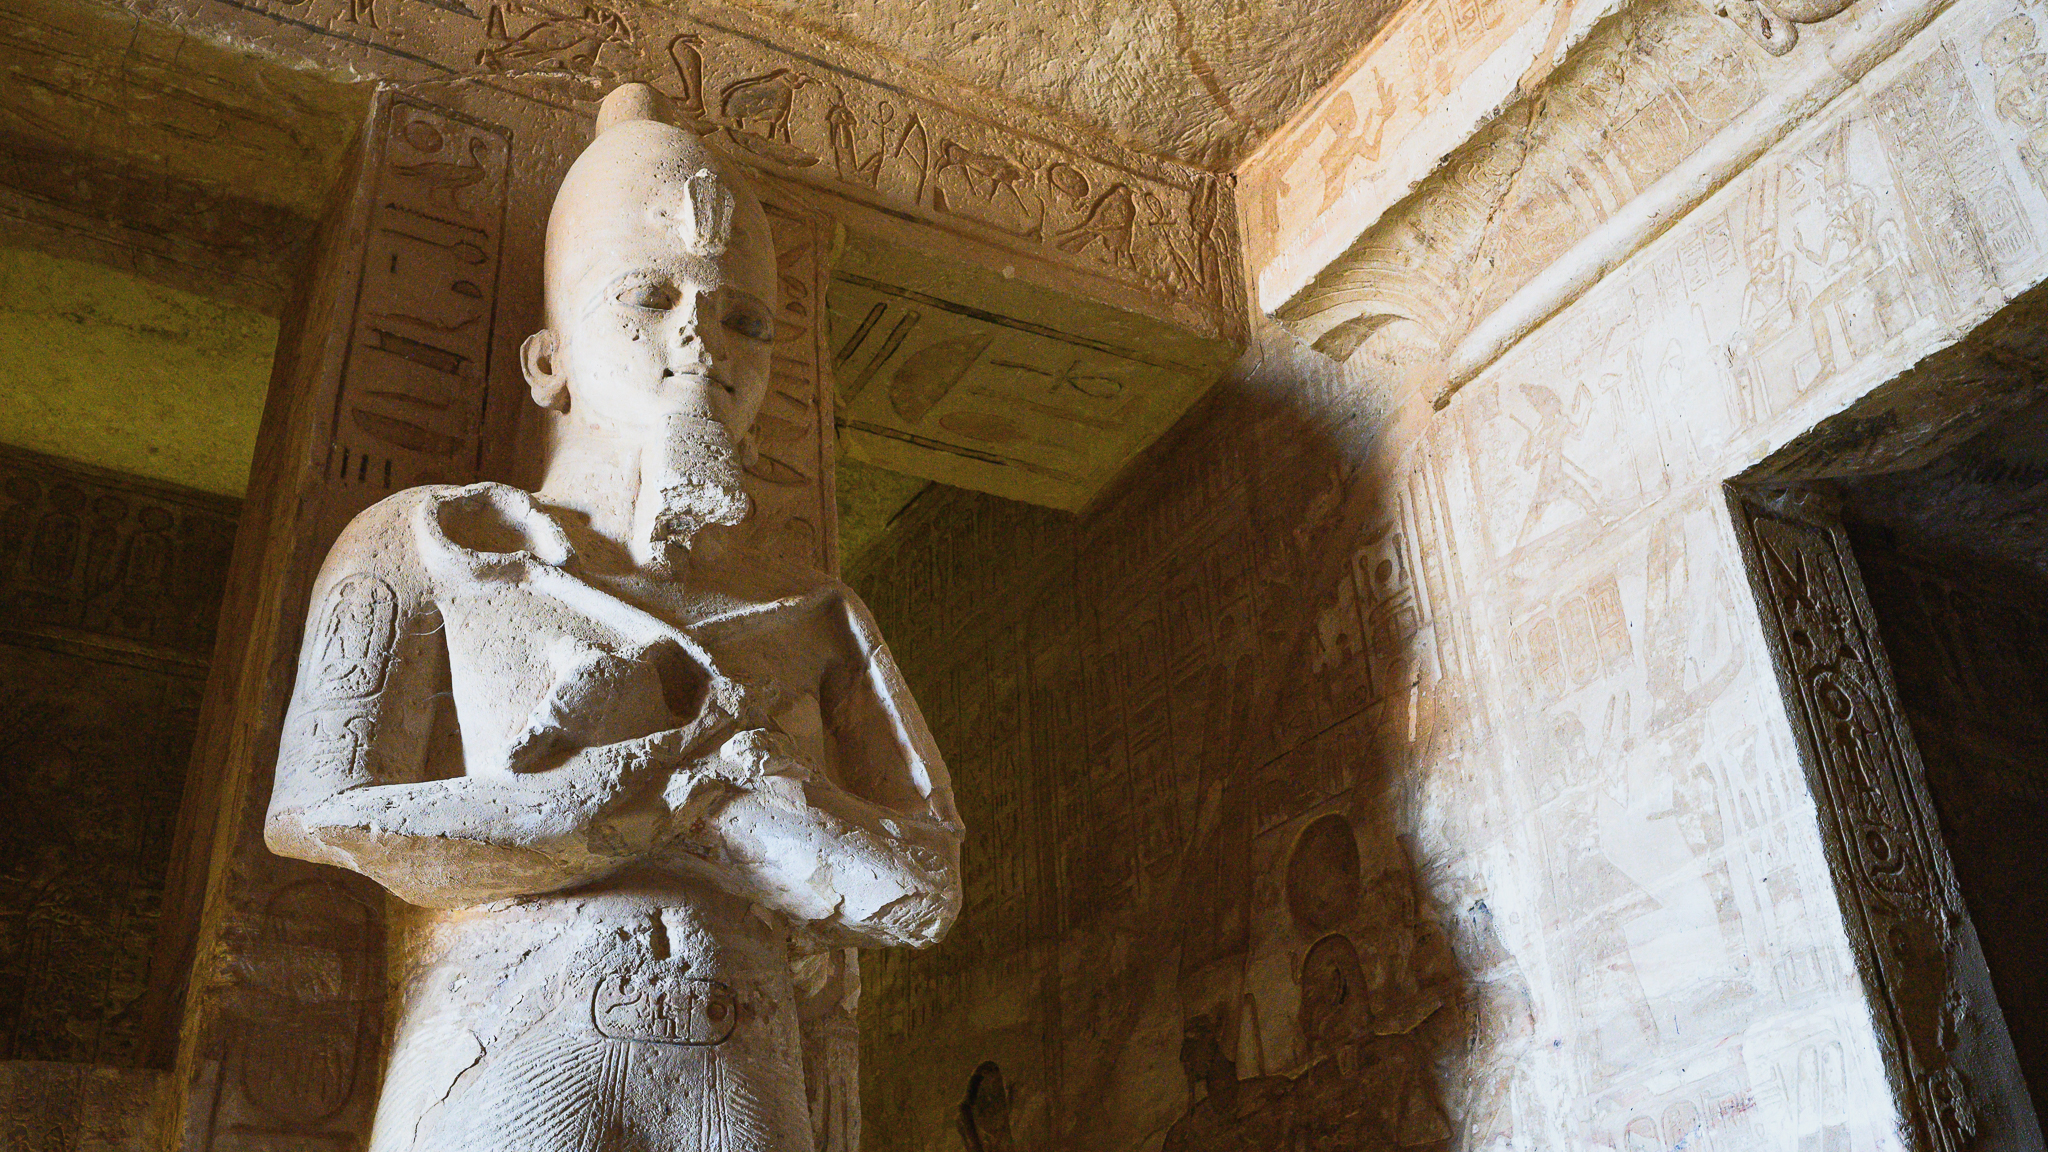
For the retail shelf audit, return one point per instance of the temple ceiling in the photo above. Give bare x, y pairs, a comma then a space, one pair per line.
1201, 81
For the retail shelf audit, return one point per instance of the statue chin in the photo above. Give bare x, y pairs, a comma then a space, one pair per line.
691, 479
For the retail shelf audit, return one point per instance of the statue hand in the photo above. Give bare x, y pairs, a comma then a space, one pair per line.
755, 760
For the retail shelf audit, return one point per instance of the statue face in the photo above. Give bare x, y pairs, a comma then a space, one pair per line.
662, 318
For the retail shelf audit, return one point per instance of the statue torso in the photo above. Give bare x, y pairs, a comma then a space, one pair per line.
652, 1009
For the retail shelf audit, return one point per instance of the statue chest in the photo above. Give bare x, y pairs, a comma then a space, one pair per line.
558, 661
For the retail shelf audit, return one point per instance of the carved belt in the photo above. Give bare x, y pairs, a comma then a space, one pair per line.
664, 1009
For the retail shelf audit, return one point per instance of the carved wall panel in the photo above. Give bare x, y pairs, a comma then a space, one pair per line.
108, 591
1184, 856
74, 1107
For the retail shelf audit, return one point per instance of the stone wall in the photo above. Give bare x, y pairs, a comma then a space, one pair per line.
108, 591
1512, 648
1138, 766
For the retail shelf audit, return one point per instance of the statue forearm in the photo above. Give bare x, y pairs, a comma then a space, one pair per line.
754, 813
466, 840
450, 843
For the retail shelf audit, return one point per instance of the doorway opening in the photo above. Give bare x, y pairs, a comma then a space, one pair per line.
1900, 562
1954, 559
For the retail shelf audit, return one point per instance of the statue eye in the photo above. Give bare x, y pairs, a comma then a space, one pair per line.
658, 296
750, 324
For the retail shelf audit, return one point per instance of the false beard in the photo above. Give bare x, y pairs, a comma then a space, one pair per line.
690, 479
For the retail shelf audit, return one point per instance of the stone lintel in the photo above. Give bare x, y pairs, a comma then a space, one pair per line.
959, 373
1656, 108
1439, 71
1007, 186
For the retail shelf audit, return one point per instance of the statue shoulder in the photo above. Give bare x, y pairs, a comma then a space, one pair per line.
387, 538
773, 578
801, 581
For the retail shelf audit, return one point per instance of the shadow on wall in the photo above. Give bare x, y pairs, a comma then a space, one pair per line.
1184, 729
1367, 1085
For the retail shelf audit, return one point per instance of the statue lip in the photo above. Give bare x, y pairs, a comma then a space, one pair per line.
702, 372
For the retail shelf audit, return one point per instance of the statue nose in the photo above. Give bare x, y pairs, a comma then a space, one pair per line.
685, 335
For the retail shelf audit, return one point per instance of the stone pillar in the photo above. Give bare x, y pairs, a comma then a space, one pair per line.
398, 366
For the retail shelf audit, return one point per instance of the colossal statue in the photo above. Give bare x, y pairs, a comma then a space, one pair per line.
633, 770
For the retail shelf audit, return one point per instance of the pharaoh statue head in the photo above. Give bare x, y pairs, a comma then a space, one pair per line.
660, 284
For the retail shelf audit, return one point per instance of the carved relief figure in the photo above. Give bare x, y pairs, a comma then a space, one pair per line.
629, 767
553, 43
2013, 49
761, 104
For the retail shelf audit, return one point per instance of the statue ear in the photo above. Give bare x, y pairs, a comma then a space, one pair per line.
537, 356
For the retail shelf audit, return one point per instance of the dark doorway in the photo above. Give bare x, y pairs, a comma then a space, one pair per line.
1898, 555
1954, 558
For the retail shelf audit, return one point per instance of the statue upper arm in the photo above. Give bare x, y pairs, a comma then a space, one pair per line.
371, 677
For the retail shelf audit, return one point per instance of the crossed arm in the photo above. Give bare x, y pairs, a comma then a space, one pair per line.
733, 801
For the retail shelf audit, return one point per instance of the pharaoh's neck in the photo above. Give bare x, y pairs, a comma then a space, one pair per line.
651, 490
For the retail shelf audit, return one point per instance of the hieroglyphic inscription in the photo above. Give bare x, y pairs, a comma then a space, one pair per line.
355, 639
663, 1009
357, 630
1134, 229
310, 1012
880, 145
410, 407
1879, 827
790, 479
1935, 138
1574, 640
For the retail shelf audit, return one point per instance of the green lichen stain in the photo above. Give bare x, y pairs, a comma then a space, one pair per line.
104, 368
869, 499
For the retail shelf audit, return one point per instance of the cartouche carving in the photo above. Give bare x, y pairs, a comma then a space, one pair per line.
630, 762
